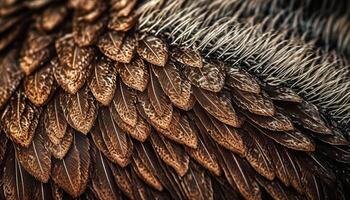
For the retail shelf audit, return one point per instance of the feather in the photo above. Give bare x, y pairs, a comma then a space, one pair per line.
257, 153
41, 191
124, 104
85, 33
151, 161
117, 46
20, 120
52, 17
274, 188
218, 106
180, 131
313, 190
134, 74
80, 109
10, 35
204, 153
121, 23
221, 133
278, 122
188, 56
240, 79
147, 111
96, 11
338, 153
17, 183
145, 173
54, 121
122, 177
319, 167
210, 77
71, 173
102, 81
197, 184
140, 132
3, 145
60, 149
36, 159
11, 75
153, 50
74, 64
291, 139
117, 142
172, 154
283, 94
159, 101
292, 169
237, 173
124, 8
336, 139
36, 50
307, 115
40, 86
258, 104
174, 86
102, 178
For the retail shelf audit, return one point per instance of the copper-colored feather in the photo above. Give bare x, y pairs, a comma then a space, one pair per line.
102, 81
71, 173
20, 120
74, 64
60, 149
36, 158
37, 49
80, 109
153, 50
210, 77
40, 86
172, 154
117, 142
134, 74
241, 80
174, 86
187, 56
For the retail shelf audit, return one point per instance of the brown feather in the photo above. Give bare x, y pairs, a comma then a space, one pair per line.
122, 23
278, 122
197, 183
238, 173
11, 75
124, 104
54, 121
239, 79
117, 46
217, 105
221, 133
20, 120
134, 74
153, 50
117, 142
122, 177
307, 115
172, 154
36, 159
258, 104
102, 178
40, 86
3, 144
187, 56
147, 111
210, 77
71, 173
283, 94
180, 131
204, 154
60, 149
274, 188
145, 173
102, 81
17, 183
36, 50
74, 66
159, 100
52, 17
85, 33
174, 86
80, 109
140, 132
